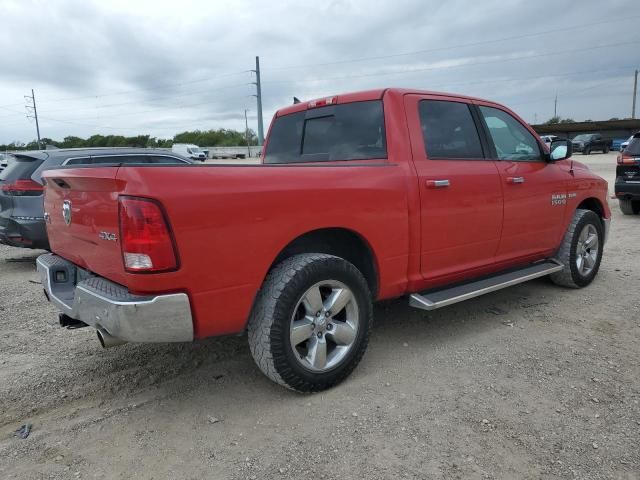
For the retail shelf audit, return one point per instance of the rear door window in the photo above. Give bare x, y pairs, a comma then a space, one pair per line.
165, 159
118, 159
449, 130
20, 169
351, 131
78, 161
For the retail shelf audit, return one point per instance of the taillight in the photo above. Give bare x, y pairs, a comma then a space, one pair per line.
145, 237
626, 159
23, 188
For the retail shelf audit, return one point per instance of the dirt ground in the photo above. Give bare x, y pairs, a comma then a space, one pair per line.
533, 382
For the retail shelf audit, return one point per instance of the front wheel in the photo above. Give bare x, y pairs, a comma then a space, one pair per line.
581, 251
310, 324
606, 149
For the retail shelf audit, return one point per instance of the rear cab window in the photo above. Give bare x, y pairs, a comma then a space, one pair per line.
350, 131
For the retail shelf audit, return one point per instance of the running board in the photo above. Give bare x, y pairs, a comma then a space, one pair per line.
448, 296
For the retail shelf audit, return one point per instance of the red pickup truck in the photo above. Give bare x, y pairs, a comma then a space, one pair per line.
358, 197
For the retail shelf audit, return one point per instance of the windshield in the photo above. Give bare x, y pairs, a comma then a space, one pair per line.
194, 149
582, 138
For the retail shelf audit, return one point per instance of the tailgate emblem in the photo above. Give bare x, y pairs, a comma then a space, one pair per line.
108, 236
66, 211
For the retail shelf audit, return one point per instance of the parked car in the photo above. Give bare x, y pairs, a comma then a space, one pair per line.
588, 142
547, 139
627, 186
21, 186
190, 151
4, 160
625, 144
360, 197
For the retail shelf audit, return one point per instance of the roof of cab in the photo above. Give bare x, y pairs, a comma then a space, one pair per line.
365, 95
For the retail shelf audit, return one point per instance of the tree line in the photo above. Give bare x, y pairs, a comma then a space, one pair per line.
221, 137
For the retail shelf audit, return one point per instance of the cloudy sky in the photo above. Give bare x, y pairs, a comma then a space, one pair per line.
160, 67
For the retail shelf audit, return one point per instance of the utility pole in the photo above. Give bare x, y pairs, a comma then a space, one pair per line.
32, 100
635, 91
246, 133
258, 96
555, 106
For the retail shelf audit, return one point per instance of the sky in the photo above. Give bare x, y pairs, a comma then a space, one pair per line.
130, 67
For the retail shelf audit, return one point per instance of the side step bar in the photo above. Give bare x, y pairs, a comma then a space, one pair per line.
441, 298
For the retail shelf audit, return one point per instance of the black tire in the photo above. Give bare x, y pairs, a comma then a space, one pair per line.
586, 151
570, 276
273, 311
606, 149
629, 207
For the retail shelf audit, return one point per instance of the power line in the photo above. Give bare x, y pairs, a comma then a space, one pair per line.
138, 90
448, 67
452, 47
338, 62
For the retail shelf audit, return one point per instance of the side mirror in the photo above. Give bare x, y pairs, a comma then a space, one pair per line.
560, 150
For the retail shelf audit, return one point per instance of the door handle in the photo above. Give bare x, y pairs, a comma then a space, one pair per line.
515, 179
437, 183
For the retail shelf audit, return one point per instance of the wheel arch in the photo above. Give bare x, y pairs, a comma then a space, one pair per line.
341, 242
593, 204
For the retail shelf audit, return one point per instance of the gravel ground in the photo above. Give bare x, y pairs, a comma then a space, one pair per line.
534, 382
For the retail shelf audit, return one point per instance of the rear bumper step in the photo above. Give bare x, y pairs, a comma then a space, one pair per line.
110, 307
441, 298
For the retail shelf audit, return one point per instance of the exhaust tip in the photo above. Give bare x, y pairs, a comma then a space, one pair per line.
107, 340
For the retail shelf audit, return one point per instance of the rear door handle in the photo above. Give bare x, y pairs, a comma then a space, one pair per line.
437, 183
515, 179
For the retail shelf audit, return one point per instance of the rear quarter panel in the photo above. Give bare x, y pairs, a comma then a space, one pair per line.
231, 222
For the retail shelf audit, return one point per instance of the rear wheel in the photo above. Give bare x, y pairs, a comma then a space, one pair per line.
581, 251
310, 324
586, 151
606, 149
629, 207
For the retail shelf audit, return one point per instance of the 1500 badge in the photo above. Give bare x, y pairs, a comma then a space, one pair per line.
561, 198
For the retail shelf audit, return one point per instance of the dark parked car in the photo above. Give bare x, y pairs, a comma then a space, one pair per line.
21, 186
627, 185
588, 142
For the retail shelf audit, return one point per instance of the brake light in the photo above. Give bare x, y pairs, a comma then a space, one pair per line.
23, 188
626, 159
323, 102
145, 236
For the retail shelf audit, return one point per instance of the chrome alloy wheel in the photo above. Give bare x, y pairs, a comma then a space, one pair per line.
324, 325
587, 249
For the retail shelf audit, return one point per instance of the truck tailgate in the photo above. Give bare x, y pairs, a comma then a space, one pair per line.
81, 211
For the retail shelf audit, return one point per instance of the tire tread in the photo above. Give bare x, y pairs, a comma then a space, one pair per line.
263, 329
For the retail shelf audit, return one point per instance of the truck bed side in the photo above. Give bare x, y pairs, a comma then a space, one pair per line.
231, 222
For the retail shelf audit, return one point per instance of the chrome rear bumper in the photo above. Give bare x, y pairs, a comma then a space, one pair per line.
103, 304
